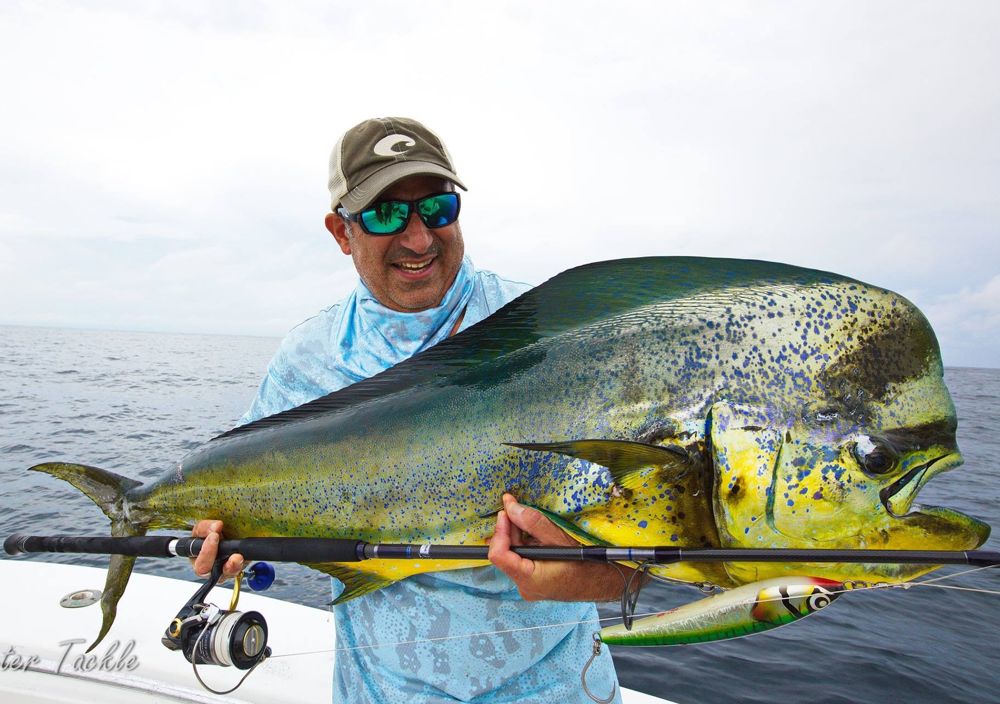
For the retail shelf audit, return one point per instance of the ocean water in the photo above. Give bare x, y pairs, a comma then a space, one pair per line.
134, 403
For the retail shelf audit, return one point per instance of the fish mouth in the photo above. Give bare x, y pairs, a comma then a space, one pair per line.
931, 527
899, 496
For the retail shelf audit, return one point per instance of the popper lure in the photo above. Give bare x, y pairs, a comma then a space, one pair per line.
738, 612
743, 611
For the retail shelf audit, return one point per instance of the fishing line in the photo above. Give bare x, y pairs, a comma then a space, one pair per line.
194, 667
961, 589
956, 574
372, 646
600, 619
933, 582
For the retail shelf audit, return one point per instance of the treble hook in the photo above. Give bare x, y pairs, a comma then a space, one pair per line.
630, 595
583, 675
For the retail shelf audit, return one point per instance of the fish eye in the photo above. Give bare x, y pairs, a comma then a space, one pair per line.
875, 455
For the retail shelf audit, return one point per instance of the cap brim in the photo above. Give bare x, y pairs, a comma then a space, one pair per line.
365, 193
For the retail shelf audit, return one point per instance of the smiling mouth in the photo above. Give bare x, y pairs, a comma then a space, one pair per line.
899, 496
414, 267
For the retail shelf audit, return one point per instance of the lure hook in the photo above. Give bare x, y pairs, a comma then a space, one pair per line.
583, 675
630, 594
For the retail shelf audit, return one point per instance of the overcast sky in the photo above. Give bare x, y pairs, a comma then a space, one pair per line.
163, 164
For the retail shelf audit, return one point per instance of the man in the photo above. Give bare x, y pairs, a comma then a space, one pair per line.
462, 635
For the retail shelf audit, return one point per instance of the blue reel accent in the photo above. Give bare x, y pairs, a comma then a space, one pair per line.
259, 576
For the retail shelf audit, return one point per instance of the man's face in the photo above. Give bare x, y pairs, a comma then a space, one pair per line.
410, 271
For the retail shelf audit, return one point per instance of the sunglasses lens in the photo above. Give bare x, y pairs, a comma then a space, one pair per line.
439, 210
385, 218
389, 217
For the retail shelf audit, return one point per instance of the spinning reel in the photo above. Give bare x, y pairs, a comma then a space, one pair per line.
209, 635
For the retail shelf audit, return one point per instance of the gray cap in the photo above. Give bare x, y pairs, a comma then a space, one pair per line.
372, 156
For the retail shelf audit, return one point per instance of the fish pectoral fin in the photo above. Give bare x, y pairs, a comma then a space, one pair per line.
492, 513
626, 459
569, 527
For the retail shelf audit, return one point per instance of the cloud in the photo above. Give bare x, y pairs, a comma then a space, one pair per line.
968, 324
163, 163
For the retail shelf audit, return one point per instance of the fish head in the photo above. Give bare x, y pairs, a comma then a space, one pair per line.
841, 465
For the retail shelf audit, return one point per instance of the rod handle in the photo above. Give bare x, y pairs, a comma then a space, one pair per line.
282, 549
14, 544
146, 546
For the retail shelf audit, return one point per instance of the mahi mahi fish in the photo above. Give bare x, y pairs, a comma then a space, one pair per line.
655, 401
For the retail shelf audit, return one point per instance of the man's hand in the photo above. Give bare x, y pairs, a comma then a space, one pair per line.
547, 579
211, 531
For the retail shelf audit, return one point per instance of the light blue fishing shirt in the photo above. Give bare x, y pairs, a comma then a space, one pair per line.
461, 635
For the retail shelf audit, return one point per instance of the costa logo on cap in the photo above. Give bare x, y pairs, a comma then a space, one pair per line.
377, 153
387, 145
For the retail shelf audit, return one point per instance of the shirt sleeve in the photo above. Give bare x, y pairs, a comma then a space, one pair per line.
272, 397
299, 372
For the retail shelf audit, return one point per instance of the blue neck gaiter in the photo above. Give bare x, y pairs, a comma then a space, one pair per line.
373, 338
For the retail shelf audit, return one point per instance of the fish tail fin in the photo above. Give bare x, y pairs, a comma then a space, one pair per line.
107, 490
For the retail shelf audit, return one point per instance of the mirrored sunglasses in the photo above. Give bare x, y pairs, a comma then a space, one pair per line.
390, 217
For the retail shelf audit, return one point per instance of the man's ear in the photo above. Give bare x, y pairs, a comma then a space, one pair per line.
338, 228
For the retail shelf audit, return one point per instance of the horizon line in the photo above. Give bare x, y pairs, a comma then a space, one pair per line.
238, 334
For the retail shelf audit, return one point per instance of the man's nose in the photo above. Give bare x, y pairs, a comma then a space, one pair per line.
416, 237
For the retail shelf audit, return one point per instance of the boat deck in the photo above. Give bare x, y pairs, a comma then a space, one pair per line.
42, 645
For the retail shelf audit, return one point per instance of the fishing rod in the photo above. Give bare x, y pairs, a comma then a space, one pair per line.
347, 550
207, 634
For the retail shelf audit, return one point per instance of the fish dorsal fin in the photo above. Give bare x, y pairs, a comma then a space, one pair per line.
575, 299
628, 461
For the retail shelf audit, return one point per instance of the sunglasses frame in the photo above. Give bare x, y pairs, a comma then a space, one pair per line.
412, 204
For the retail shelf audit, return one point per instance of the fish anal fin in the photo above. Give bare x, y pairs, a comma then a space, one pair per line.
356, 582
628, 461
360, 578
